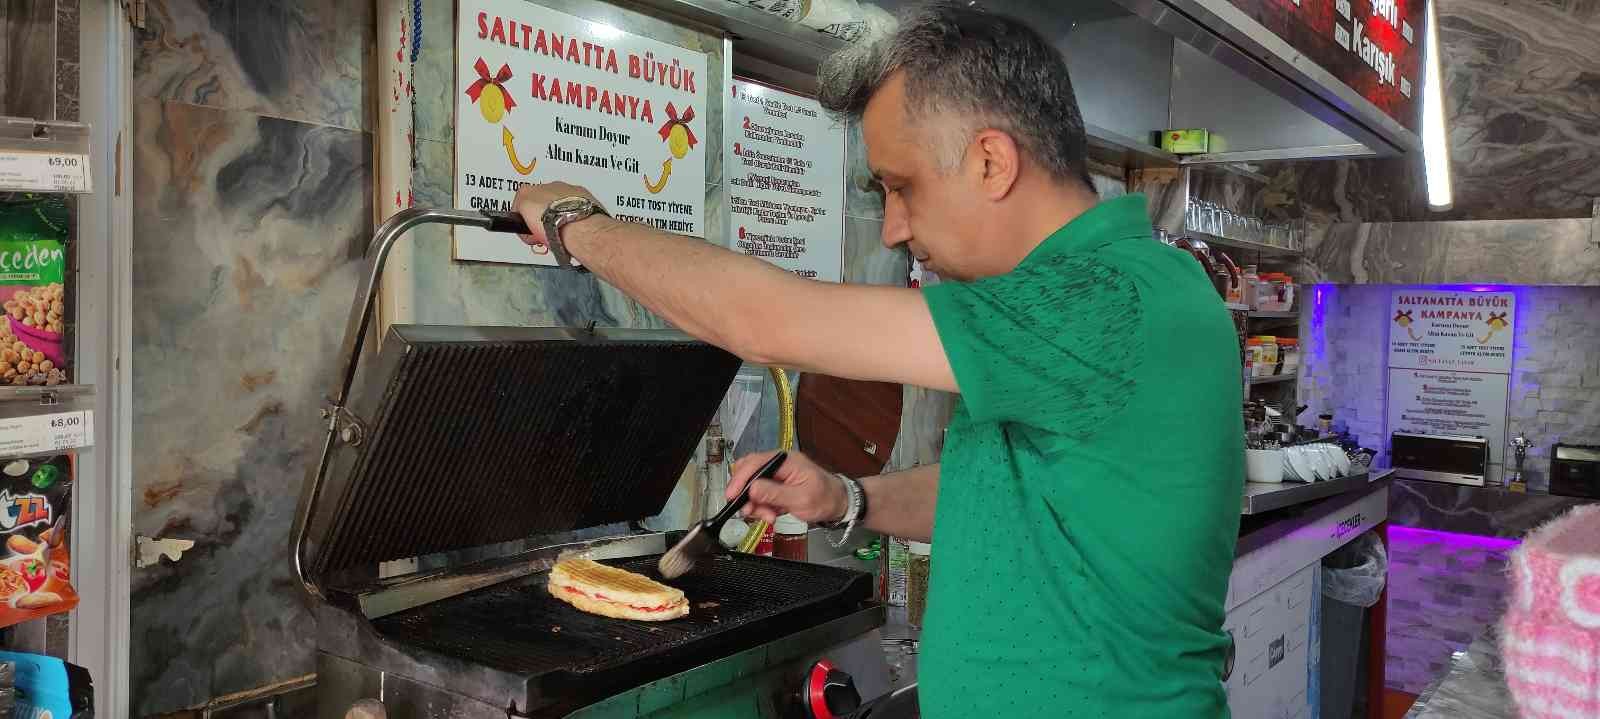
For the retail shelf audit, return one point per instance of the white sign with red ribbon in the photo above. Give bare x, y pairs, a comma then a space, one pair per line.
544, 96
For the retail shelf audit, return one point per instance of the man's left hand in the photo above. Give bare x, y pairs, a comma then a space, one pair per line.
532, 200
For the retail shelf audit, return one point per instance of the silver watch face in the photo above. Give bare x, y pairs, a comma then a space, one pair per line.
570, 204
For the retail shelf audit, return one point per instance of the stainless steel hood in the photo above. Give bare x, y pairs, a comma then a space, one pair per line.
1139, 67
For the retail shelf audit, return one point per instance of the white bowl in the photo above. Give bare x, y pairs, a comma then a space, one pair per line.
1264, 465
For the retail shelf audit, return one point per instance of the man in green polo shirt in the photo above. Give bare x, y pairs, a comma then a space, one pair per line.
1085, 509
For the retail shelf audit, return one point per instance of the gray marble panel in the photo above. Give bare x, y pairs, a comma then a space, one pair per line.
1520, 85
247, 235
867, 261
29, 52
1166, 191
1482, 511
1528, 252
67, 60
1524, 252
862, 198
304, 60
433, 78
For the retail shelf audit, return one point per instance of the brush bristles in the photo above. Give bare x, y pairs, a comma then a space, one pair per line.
681, 559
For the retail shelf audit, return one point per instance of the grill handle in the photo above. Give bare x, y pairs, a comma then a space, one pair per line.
355, 333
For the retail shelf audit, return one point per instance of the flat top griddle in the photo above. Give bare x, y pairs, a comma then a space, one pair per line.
518, 628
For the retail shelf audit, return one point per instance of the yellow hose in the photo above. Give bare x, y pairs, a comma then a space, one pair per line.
752, 536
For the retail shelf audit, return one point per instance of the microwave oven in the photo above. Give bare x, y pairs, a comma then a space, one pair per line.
1575, 471
1439, 457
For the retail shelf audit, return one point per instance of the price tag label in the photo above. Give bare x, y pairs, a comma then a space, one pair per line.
46, 432
44, 171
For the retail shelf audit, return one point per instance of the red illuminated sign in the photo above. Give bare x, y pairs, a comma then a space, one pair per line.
1373, 46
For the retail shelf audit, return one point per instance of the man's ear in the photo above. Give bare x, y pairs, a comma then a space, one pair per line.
1001, 162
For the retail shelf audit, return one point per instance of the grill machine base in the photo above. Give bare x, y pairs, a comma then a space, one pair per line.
759, 683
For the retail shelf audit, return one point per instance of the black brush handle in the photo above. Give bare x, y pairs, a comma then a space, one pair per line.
766, 472
506, 222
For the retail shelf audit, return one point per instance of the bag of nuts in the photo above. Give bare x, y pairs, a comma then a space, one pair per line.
36, 564
33, 233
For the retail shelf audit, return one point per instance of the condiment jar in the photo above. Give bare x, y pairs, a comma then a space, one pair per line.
919, 566
789, 538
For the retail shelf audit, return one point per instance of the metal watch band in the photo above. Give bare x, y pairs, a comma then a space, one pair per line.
554, 220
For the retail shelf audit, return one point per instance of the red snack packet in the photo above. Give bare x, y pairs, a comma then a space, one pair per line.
36, 562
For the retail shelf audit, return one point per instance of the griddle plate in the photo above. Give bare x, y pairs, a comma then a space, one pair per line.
519, 628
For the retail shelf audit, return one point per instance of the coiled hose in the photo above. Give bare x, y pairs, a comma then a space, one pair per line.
752, 536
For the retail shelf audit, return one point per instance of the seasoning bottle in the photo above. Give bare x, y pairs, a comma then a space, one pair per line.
789, 538
1252, 356
919, 565
1288, 355
764, 545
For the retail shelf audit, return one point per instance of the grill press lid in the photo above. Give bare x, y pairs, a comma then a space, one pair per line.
469, 436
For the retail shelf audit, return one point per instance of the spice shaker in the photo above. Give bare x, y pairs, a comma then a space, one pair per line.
918, 566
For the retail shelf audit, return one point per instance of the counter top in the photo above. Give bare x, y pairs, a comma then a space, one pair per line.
1260, 497
1483, 511
1474, 688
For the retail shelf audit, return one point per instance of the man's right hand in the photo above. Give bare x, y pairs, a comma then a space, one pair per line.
801, 488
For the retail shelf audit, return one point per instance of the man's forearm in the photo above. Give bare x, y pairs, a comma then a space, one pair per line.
901, 503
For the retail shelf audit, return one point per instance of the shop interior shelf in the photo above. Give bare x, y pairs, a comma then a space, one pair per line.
1272, 379
1260, 498
1247, 245
45, 394
1258, 315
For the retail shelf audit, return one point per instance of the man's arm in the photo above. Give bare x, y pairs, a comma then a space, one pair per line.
900, 503
751, 308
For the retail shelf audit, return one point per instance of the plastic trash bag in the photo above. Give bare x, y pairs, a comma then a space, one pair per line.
1355, 573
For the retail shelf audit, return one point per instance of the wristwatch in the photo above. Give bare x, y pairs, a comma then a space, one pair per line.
561, 213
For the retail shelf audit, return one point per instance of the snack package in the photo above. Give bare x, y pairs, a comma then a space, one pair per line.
33, 261
48, 688
36, 564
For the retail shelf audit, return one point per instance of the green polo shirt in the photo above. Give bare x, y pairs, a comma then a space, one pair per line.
1089, 489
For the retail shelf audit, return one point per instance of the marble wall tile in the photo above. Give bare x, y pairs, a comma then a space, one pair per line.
66, 70
303, 60
867, 261
1548, 252
1521, 93
433, 74
1526, 252
29, 83
247, 235
1166, 192
1480, 511
862, 198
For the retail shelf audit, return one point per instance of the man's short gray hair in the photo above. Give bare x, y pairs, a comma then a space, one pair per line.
986, 69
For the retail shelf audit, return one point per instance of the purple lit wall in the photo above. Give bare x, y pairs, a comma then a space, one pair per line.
1444, 589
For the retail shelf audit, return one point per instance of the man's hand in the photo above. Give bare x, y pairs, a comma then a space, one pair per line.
803, 489
532, 200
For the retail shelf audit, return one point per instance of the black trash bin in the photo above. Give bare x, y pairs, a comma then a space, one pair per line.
1353, 578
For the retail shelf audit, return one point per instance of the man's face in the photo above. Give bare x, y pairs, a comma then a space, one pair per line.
937, 215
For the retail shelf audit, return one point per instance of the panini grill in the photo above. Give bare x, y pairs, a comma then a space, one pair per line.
469, 441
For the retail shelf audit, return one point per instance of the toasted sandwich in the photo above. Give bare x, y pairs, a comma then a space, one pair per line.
610, 592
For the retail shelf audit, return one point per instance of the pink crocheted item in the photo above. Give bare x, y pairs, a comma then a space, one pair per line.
1551, 633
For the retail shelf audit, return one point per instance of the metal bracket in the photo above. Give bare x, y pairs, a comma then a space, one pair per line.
148, 551
345, 425
1594, 223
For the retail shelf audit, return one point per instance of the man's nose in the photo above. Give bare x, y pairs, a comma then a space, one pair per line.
896, 230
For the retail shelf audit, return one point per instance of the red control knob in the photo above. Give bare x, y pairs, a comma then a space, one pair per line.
830, 693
